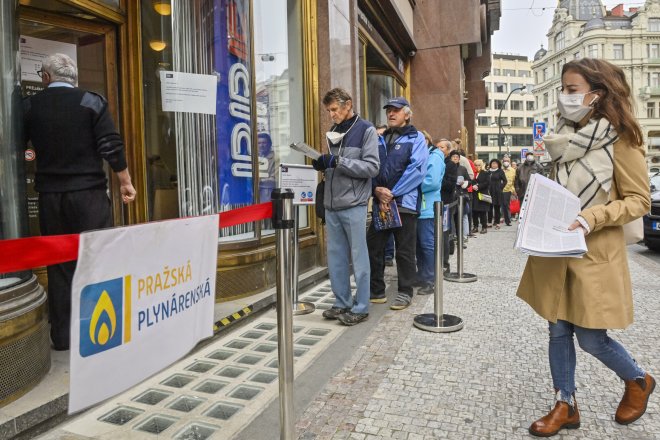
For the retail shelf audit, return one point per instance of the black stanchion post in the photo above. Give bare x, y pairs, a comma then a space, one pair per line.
283, 223
299, 307
460, 276
438, 322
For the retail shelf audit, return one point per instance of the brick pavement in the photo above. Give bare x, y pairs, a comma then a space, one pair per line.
491, 379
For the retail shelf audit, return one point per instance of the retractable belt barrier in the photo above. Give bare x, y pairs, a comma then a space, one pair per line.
27, 253
460, 276
438, 321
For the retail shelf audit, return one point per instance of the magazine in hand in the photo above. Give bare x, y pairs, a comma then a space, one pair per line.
305, 149
383, 220
545, 215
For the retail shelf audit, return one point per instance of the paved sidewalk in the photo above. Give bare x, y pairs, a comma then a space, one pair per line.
491, 379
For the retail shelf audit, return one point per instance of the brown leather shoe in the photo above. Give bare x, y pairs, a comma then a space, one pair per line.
563, 416
633, 403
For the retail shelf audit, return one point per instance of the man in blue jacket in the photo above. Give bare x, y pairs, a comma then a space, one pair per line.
435, 171
403, 156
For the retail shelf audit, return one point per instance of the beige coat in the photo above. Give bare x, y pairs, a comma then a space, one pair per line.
595, 291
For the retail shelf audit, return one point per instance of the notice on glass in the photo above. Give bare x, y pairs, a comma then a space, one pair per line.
35, 50
302, 180
188, 92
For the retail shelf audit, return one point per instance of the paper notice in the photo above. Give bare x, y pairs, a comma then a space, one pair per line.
188, 92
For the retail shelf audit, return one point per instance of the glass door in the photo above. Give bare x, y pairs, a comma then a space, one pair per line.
92, 45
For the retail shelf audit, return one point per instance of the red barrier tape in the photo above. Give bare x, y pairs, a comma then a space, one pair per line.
25, 253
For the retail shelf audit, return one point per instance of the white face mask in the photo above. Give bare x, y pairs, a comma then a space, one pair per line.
571, 108
530, 158
334, 137
505, 164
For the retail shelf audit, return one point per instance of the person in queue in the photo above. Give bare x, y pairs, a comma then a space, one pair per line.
349, 164
496, 187
508, 190
480, 188
597, 153
435, 170
448, 195
72, 132
403, 156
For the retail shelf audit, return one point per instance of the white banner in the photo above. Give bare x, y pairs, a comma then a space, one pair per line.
142, 297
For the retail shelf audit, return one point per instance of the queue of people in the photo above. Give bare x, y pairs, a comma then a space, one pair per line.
403, 169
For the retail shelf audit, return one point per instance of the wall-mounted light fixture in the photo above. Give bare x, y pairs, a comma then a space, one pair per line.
157, 45
163, 7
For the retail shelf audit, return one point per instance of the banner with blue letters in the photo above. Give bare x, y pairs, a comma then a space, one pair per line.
142, 297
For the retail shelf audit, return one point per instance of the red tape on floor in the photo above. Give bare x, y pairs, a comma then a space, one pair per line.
26, 253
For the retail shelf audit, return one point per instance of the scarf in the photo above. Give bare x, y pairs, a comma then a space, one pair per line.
583, 159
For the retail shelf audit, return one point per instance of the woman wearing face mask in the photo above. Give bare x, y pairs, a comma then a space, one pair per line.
497, 182
508, 190
480, 185
597, 154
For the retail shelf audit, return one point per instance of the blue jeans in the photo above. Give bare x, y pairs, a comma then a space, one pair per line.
347, 241
593, 341
426, 250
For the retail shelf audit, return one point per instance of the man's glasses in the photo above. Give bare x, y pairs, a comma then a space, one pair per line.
40, 72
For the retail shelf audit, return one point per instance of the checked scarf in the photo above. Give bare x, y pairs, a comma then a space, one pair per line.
583, 159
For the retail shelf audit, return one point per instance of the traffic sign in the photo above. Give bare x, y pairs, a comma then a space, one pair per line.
538, 130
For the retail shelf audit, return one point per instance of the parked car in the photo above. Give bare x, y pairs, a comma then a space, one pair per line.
652, 219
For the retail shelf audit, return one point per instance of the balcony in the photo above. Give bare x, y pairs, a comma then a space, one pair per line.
647, 92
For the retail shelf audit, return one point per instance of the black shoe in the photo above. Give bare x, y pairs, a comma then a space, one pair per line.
334, 312
389, 262
349, 318
428, 289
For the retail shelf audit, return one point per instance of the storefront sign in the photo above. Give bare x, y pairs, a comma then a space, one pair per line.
188, 92
142, 297
234, 109
302, 180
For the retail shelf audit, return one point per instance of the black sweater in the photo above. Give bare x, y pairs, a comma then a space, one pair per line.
71, 131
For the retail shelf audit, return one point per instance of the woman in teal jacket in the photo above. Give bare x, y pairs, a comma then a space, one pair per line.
435, 171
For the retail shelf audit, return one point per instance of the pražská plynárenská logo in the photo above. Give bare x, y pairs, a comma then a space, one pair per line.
102, 323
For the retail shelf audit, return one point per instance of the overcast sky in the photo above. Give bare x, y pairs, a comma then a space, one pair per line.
523, 30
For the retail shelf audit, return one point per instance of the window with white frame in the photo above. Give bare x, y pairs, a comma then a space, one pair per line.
516, 105
653, 79
530, 105
593, 50
500, 87
617, 51
545, 99
559, 41
653, 50
517, 122
509, 72
530, 122
654, 25
650, 110
483, 121
500, 104
545, 74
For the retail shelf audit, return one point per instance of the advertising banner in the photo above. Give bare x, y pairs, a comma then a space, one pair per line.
234, 109
142, 297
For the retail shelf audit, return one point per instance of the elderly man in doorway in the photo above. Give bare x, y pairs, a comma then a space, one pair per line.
72, 132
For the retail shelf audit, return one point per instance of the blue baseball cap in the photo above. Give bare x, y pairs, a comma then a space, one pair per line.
398, 102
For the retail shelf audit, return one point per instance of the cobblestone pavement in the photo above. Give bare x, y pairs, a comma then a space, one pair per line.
489, 380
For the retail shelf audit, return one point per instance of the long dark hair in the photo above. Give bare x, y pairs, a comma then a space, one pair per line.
615, 103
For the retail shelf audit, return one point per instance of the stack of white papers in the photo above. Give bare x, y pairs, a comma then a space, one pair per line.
545, 215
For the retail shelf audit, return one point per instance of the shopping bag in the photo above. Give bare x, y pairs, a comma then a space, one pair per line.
514, 205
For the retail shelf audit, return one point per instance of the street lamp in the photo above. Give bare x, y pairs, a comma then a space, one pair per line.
499, 118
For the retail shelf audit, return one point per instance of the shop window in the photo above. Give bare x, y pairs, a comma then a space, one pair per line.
200, 164
380, 88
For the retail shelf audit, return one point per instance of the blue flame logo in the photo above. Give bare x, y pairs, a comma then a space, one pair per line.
101, 311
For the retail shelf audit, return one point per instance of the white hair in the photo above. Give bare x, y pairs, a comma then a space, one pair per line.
61, 67
408, 112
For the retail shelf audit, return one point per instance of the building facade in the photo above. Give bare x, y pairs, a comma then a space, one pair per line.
495, 137
628, 38
274, 60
